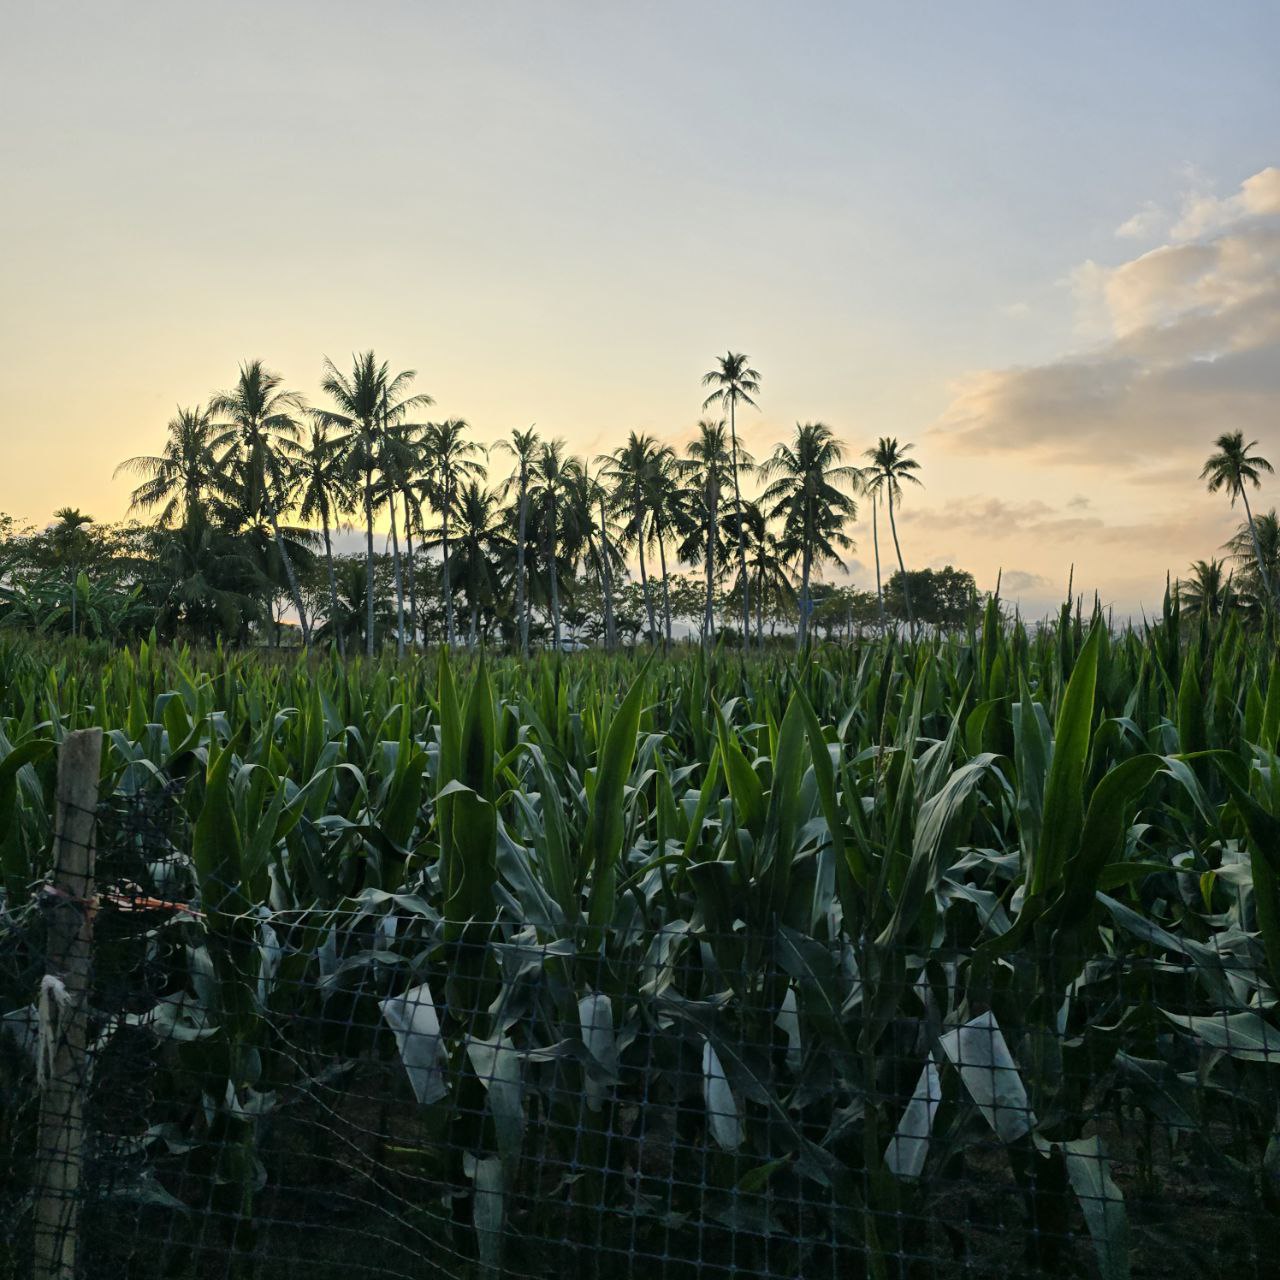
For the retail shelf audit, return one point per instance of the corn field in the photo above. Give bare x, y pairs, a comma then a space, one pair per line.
948, 958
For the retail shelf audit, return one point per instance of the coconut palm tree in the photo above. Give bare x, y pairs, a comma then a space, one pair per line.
405, 454
479, 544
735, 383
890, 468
668, 516
367, 399
70, 546
1251, 544
523, 447
767, 563
553, 474
179, 477
706, 465
325, 493
1207, 589
263, 426
1232, 467
586, 528
628, 472
452, 459
806, 493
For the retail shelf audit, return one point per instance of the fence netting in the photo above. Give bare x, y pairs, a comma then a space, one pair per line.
377, 1091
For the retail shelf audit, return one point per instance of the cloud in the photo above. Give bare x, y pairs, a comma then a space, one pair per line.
1192, 341
1019, 580
995, 518
1145, 223
1202, 212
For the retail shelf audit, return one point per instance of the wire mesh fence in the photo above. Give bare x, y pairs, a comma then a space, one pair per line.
380, 1091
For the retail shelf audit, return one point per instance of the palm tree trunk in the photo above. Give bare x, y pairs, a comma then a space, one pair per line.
555, 585
666, 590
1257, 550
475, 621
368, 561
875, 538
644, 586
521, 586
708, 627
760, 615
802, 632
294, 593
413, 590
445, 579
395, 565
335, 625
902, 569
606, 582
742, 542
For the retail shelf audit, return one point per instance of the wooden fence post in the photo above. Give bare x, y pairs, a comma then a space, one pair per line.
64, 1010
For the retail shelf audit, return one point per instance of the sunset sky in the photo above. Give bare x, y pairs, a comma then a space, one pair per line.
1041, 242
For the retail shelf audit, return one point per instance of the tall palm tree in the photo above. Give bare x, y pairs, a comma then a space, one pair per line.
668, 515
1231, 468
552, 477
586, 526
405, 453
1247, 546
264, 426
735, 383
628, 472
70, 545
363, 398
889, 468
767, 559
871, 491
1207, 589
179, 477
325, 493
806, 495
479, 545
451, 461
707, 463
523, 447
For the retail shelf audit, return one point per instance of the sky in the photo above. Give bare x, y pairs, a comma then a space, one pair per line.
1042, 243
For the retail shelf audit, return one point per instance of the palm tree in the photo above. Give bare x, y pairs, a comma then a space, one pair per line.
405, 456
890, 467
628, 471
1207, 591
806, 496
450, 462
707, 463
479, 544
767, 559
1247, 546
367, 400
70, 545
523, 447
263, 427
1230, 468
178, 478
735, 382
668, 514
324, 494
553, 474
587, 495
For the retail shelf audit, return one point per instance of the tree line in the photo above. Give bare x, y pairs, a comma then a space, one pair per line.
247, 491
